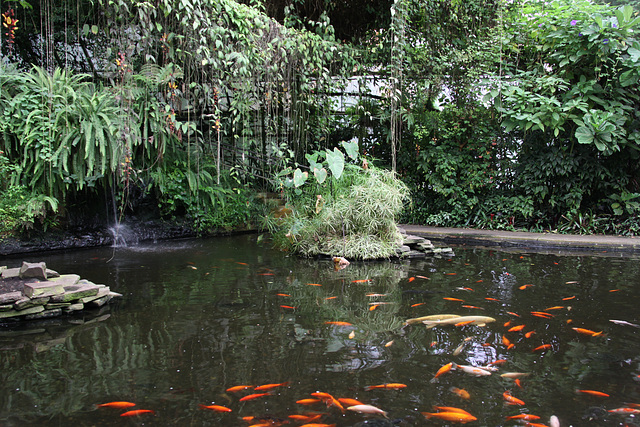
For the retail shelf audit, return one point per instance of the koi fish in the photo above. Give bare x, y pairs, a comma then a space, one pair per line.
318, 425
137, 412
625, 323
515, 375
541, 347
314, 284
525, 417
516, 328
513, 314
476, 320
510, 400
338, 323
328, 298
450, 409
624, 410
349, 402
557, 307
306, 418
587, 332
528, 334
241, 263
464, 288
266, 274
593, 393
270, 386
352, 335
308, 401
283, 295
523, 287
328, 399
453, 299
473, 306
568, 298
361, 281
432, 317
375, 295
517, 382
238, 388
288, 306
465, 323
411, 279
373, 307
417, 304
215, 408
423, 277
542, 314
492, 299
472, 370
458, 417
389, 386
498, 362
460, 392
450, 274
254, 396
528, 424
119, 405
554, 421
367, 409
443, 370
389, 344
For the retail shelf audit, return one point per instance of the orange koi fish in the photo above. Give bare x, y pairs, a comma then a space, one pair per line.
492, 299
283, 295
450, 409
450, 274
453, 299
238, 388
507, 324
557, 307
417, 304
624, 410
306, 418
119, 405
498, 362
308, 401
587, 332
568, 298
542, 314
373, 307
266, 274
517, 382
137, 412
506, 341
423, 277
457, 417
338, 323
215, 408
241, 263
523, 287
541, 347
328, 298
288, 306
517, 328
525, 417
510, 400
473, 306
460, 392
411, 279
314, 284
270, 386
513, 314
361, 281
348, 401
328, 399
254, 396
528, 334
464, 323
389, 386
318, 425
444, 369
593, 393
479, 281
376, 295
535, 425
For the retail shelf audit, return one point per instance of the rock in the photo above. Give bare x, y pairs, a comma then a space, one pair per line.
10, 297
15, 313
37, 270
74, 307
425, 246
76, 292
29, 302
6, 307
414, 254
44, 314
101, 293
51, 306
42, 289
10, 273
402, 249
52, 273
413, 240
67, 279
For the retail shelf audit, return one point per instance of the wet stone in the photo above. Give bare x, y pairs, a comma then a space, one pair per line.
51, 306
15, 313
10, 297
10, 273
402, 249
101, 293
413, 240
414, 254
6, 307
74, 307
67, 279
76, 292
33, 269
42, 289
29, 302
44, 314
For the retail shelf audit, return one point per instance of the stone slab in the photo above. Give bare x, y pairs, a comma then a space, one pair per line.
51, 306
16, 313
42, 289
74, 307
76, 292
52, 273
10, 297
101, 293
44, 314
33, 269
11, 273
30, 302
67, 279
412, 240
6, 307
414, 254
99, 302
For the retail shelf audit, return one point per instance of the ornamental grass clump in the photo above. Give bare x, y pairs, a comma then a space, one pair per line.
352, 216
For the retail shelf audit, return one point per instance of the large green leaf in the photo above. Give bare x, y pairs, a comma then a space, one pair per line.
351, 148
299, 177
584, 135
320, 174
335, 159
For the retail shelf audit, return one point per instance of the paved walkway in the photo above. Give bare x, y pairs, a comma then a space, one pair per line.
519, 239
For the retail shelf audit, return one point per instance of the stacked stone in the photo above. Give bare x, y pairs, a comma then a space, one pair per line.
419, 247
49, 294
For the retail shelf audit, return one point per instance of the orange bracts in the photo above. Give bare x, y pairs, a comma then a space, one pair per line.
254, 396
137, 412
389, 386
510, 400
118, 405
270, 386
215, 408
238, 388
541, 347
516, 328
587, 332
593, 393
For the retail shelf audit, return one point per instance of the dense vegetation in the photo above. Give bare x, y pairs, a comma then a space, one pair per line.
495, 114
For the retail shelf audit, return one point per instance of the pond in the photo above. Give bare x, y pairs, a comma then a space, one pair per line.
198, 317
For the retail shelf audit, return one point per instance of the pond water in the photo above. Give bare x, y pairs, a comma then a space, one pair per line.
200, 316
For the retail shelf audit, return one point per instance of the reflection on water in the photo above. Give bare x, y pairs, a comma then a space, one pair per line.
200, 316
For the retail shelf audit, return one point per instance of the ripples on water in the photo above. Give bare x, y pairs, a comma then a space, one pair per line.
200, 316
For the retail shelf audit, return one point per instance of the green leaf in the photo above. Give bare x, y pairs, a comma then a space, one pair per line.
320, 174
299, 177
94, 29
584, 135
351, 148
335, 159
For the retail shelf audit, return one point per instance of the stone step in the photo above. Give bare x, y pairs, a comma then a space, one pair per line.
42, 289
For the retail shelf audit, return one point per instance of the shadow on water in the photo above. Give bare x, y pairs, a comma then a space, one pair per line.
200, 316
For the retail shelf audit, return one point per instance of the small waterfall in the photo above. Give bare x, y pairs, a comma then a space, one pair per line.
122, 236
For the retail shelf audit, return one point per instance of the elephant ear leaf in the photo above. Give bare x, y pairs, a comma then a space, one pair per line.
335, 159
351, 148
320, 174
299, 177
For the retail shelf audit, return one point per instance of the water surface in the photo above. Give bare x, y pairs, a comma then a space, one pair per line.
200, 316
